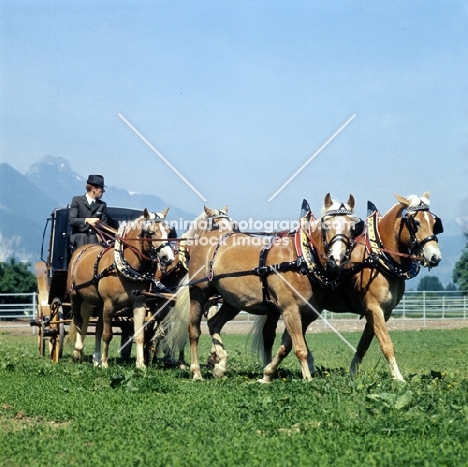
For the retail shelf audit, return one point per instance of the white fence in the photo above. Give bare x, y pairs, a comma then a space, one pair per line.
18, 306
16, 309
423, 306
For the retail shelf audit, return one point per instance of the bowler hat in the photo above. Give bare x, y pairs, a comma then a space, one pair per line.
97, 180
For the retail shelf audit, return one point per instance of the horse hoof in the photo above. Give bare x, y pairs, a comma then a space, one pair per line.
77, 357
264, 381
218, 372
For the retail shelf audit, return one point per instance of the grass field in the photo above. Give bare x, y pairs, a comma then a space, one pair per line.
75, 414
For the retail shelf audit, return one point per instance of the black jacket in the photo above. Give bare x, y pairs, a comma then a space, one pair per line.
79, 211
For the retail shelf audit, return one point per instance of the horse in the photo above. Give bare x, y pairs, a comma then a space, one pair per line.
373, 281
116, 277
265, 275
174, 276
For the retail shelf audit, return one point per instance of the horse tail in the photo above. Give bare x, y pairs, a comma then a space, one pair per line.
256, 335
176, 323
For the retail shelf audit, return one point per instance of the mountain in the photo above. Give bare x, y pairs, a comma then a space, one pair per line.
56, 172
26, 202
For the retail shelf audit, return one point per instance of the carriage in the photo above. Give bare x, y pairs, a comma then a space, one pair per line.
54, 313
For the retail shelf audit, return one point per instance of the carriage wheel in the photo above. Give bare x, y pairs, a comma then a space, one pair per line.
43, 308
57, 331
40, 331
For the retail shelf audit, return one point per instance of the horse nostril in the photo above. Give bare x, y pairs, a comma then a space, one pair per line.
435, 259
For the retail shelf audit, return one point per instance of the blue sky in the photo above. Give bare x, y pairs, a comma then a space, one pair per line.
237, 96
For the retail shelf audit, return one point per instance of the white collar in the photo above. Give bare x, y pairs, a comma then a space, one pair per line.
90, 200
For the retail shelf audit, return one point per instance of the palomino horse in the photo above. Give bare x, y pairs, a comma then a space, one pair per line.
253, 273
392, 251
116, 277
173, 276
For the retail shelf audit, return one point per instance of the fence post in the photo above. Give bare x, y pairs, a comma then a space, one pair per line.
424, 307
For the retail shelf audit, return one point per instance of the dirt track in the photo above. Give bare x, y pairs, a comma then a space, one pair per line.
355, 325
244, 326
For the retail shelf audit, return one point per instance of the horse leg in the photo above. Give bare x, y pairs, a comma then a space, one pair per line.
139, 313
212, 310
269, 335
376, 325
284, 349
82, 330
215, 325
107, 315
77, 306
196, 311
97, 341
294, 327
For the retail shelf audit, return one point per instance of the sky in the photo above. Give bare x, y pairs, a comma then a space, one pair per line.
253, 104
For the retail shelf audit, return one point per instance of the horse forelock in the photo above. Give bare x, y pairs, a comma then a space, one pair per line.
204, 222
337, 207
418, 201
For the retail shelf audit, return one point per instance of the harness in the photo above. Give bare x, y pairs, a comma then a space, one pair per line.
379, 257
382, 258
130, 273
121, 265
308, 255
96, 276
307, 260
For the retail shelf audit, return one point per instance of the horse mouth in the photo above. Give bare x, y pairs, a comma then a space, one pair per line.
166, 261
333, 268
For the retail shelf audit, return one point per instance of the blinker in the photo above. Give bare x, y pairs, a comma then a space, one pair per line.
438, 227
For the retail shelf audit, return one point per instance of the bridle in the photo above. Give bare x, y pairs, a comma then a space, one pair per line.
147, 235
213, 225
408, 220
347, 240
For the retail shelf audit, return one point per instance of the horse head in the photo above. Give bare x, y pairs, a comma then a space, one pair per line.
339, 226
419, 228
218, 219
154, 234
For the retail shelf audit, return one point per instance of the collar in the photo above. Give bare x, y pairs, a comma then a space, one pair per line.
89, 199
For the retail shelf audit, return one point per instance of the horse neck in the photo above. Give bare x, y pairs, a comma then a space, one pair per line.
132, 249
194, 229
389, 230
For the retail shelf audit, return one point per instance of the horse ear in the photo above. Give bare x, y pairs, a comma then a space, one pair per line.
351, 202
402, 200
209, 212
328, 200
164, 213
145, 213
225, 209
426, 194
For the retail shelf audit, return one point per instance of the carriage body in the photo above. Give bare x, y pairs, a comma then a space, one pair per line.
54, 308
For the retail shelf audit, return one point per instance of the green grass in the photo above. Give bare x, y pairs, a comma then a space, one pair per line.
75, 414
